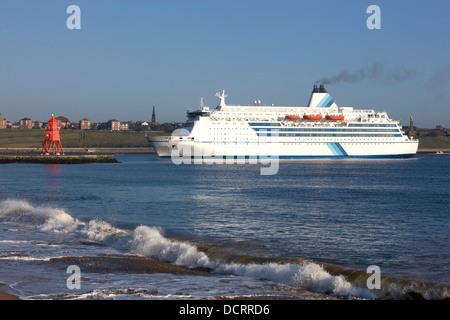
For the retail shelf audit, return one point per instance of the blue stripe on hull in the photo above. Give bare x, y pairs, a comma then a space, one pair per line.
337, 149
341, 149
383, 156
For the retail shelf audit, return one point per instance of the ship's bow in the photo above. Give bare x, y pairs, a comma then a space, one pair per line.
161, 144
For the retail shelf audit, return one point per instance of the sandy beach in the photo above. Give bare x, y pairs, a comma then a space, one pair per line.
6, 296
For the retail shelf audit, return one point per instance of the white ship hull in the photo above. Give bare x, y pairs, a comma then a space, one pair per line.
161, 145
249, 132
299, 150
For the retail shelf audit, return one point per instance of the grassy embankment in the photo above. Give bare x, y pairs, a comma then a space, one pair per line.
437, 143
19, 138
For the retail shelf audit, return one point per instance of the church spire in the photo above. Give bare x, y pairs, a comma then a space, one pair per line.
153, 115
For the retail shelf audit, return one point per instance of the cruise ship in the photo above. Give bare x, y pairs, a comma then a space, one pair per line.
321, 129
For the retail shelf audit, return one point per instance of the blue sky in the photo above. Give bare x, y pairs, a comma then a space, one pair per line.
131, 55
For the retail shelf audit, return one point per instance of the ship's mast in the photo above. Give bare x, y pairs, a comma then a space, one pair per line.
221, 95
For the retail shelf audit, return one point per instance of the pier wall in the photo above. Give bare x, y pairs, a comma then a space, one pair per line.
63, 159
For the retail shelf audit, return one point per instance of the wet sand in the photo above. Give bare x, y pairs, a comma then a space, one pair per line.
6, 296
132, 264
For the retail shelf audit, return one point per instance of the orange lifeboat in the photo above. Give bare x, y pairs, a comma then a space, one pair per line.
292, 117
335, 117
312, 117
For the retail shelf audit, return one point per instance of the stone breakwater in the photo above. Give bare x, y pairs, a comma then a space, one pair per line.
63, 159
31, 151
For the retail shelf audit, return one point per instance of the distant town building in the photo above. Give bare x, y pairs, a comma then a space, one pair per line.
63, 122
25, 123
2, 122
140, 125
85, 124
114, 125
37, 125
96, 125
124, 126
74, 125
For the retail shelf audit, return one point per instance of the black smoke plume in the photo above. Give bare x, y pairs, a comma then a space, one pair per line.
376, 72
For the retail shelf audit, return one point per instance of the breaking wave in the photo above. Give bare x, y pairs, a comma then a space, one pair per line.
18, 211
54, 220
150, 242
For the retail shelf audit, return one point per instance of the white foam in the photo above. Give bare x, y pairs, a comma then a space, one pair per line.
55, 220
312, 277
48, 219
151, 243
16, 241
308, 276
17, 258
98, 230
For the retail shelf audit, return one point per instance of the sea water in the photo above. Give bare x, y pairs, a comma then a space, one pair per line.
315, 226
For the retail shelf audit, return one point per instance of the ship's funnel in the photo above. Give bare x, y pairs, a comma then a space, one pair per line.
320, 98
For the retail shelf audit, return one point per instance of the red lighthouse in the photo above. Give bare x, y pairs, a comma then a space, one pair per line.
52, 138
